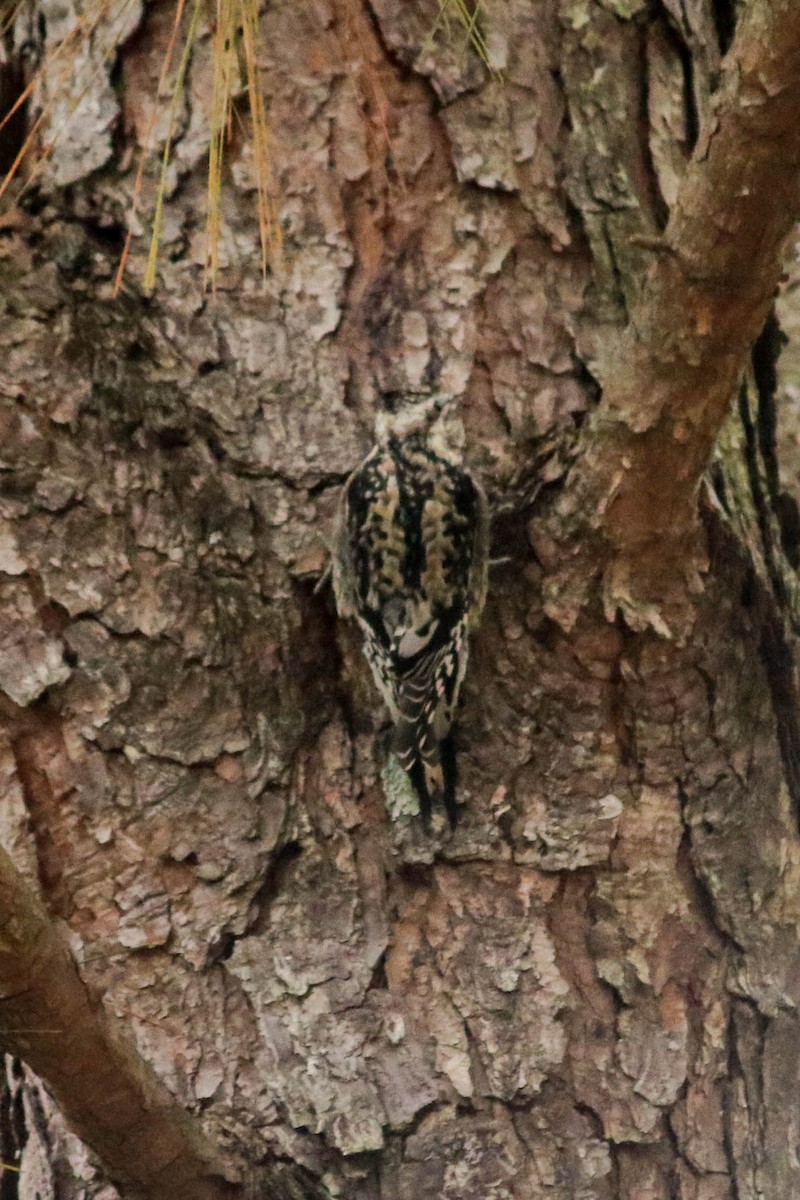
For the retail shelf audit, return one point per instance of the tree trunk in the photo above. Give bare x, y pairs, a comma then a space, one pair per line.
590, 989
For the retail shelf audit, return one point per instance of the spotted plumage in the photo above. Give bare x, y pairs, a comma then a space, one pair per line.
410, 563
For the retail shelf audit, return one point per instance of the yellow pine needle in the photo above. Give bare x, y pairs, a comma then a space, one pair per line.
145, 150
80, 32
460, 13
44, 152
8, 20
20, 100
224, 60
26, 145
268, 224
236, 33
442, 17
23, 96
177, 89
231, 17
8, 1167
474, 36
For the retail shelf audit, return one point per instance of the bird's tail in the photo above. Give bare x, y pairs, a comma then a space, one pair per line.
430, 763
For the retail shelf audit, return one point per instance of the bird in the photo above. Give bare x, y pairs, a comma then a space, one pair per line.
410, 560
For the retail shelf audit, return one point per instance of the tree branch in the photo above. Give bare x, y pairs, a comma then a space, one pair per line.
150, 1146
670, 377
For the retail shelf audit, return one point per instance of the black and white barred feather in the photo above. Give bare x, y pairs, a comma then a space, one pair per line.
410, 563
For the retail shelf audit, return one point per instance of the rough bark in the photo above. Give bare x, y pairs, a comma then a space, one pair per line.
590, 990
669, 380
150, 1146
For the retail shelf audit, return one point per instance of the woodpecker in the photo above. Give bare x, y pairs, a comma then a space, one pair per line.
410, 563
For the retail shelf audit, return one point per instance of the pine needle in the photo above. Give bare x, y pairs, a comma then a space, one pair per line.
225, 58
237, 26
149, 280
63, 45
148, 137
467, 18
10, 17
235, 56
75, 37
268, 223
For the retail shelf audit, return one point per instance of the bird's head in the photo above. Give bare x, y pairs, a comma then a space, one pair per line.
436, 421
